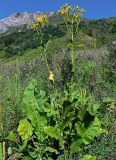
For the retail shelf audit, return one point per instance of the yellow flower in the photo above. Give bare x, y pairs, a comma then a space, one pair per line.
63, 12
42, 19
34, 26
78, 15
69, 7
51, 76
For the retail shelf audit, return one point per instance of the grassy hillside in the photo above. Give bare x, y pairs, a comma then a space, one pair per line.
21, 61
17, 40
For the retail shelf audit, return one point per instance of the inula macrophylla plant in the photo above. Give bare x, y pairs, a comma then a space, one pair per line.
38, 26
58, 125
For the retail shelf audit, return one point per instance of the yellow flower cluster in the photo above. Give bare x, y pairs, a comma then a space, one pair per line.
78, 15
51, 76
65, 9
37, 25
42, 19
34, 26
70, 11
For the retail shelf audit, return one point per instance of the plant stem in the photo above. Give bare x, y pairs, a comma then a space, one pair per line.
4, 151
46, 60
45, 47
72, 52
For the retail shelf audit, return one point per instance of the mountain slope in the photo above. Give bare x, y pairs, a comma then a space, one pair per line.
16, 39
20, 19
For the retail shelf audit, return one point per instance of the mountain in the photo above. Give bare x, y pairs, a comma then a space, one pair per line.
20, 19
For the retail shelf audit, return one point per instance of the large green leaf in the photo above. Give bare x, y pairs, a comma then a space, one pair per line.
93, 108
41, 99
56, 133
32, 108
30, 105
76, 146
53, 132
87, 134
88, 157
25, 129
73, 93
50, 111
39, 128
82, 103
51, 107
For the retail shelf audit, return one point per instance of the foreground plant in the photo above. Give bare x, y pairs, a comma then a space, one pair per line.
58, 124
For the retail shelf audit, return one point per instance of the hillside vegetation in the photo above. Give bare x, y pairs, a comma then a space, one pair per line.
19, 39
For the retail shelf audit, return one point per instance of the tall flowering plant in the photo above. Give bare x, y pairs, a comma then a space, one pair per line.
71, 18
38, 26
58, 125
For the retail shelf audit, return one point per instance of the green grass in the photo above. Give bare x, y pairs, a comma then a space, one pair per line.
57, 43
2, 54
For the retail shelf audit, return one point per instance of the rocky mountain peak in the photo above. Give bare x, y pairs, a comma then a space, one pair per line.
20, 19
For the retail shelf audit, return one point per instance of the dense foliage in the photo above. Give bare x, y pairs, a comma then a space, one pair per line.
59, 124
21, 39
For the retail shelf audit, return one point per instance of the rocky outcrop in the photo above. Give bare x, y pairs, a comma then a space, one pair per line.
20, 19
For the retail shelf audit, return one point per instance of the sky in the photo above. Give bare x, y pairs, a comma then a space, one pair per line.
95, 8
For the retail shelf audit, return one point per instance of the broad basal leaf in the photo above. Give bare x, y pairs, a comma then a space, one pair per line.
55, 132
88, 134
76, 146
50, 111
30, 105
25, 129
41, 99
83, 101
51, 107
39, 128
93, 108
32, 108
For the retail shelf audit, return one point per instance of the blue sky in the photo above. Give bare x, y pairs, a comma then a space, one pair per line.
95, 8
